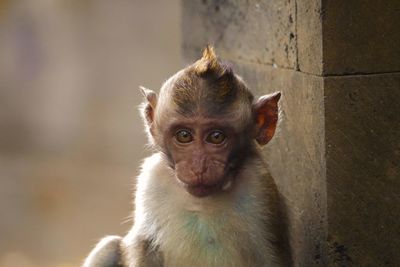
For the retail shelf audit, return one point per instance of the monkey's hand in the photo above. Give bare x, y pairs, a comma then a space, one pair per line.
107, 253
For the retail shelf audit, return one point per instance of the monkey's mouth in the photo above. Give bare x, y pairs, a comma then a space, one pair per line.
202, 190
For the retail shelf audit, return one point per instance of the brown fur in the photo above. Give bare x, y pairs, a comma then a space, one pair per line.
209, 84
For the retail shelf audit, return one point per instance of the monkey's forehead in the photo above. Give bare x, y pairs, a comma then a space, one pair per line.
235, 118
188, 79
188, 92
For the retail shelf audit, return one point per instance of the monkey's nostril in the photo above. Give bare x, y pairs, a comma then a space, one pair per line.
199, 169
198, 177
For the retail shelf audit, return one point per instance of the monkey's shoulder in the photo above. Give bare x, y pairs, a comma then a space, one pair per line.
152, 164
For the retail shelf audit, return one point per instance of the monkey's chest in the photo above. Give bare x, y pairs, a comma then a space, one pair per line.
198, 241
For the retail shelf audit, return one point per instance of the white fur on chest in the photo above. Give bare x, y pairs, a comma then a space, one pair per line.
222, 230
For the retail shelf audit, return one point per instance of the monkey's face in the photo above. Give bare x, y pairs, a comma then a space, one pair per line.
205, 120
200, 150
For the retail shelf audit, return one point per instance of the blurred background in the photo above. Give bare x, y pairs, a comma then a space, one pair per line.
71, 139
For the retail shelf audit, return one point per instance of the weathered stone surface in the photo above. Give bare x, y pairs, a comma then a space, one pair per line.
296, 155
361, 36
336, 156
309, 41
336, 37
256, 31
362, 120
322, 37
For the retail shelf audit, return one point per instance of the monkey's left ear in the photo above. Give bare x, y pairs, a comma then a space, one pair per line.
150, 105
266, 117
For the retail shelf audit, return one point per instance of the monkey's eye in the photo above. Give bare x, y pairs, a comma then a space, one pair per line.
184, 136
216, 137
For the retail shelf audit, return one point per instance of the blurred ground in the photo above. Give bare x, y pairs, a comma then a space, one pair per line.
70, 135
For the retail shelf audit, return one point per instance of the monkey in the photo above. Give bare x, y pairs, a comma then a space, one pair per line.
205, 197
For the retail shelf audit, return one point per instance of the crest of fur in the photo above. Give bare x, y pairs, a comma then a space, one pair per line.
208, 63
208, 86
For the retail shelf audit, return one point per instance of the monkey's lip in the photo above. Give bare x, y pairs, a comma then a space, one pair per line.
201, 190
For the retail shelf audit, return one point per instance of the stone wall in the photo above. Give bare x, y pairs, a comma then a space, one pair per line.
336, 156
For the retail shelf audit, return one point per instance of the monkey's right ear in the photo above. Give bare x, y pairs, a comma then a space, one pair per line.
266, 117
150, 104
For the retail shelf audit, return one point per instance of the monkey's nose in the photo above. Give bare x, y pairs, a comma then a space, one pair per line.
198, 175
199, 167
198, 171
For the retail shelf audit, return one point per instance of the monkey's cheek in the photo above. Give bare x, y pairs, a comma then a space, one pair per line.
183, 175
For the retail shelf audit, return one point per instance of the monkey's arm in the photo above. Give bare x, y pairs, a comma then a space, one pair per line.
112, 251
141, 254
107, 253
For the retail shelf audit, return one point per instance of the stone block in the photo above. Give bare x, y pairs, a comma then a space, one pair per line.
360, 36
309, 41
362, 121
254, 31
339, 37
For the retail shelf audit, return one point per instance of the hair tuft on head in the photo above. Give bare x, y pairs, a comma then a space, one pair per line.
208, 63
209, 53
